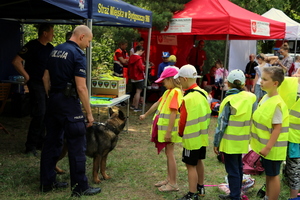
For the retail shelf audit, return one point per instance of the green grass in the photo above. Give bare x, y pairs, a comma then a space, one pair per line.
133, 165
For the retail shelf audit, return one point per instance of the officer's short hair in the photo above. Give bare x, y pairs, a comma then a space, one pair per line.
68, 35
44, 27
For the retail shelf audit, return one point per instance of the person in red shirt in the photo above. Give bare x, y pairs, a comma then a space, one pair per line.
136, 74
121, 60
197, 56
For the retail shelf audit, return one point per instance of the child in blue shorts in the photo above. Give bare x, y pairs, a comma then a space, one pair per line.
269, 130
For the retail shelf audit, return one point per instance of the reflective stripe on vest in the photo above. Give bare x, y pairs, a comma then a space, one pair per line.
239, 124
237, 134
236, 137
265, 141
295, 126
164, 112
195, 133
118, 62
261, 128
265, 128
295, 113
199, 119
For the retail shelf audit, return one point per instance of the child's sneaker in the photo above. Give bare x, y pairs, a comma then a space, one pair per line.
261, 192
137, 110
201, 192
131, 107
189, 197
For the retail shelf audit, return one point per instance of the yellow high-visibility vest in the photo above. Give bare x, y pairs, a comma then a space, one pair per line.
237, 134
261, 128
164, 112
288, 92
195, 134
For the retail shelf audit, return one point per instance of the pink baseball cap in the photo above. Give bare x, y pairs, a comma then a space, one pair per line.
168, 72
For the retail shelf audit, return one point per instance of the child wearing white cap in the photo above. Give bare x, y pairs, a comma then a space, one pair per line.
193, 128
165, 124
233, 130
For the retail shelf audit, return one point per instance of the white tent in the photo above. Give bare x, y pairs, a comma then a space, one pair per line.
241, 49
239, 52
292, 27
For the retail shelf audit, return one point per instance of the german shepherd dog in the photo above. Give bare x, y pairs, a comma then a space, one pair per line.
101, 139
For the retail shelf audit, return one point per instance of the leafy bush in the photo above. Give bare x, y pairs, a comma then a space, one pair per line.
102, 55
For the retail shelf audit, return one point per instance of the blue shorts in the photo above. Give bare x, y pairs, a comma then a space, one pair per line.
272, 167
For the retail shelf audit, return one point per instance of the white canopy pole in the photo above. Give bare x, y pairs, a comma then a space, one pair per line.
225, 63
89, 23
147, 67
295, 49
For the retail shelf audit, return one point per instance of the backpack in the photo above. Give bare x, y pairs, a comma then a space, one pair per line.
252, 164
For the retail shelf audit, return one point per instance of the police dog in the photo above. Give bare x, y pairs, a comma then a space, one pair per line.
101, 139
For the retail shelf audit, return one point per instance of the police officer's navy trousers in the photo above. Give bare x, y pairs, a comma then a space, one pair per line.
36, 129
64, 119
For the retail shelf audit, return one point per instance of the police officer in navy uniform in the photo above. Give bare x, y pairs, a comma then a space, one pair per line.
35, 54
66, 72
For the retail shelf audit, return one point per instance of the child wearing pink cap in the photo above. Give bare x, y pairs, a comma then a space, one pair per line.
165, 125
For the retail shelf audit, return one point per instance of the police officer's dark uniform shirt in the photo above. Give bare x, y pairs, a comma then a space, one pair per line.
66, 61
35, 55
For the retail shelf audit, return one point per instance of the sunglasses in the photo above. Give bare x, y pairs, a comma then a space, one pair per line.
259, 56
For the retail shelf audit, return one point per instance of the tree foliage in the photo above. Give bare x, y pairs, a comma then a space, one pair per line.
262, 6
162, 10
106, 38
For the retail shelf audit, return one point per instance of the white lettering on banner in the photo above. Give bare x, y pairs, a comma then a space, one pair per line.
167, 39
59, 54
260, 28
179, 25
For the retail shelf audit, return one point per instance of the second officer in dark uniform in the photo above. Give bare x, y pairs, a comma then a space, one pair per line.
66, 72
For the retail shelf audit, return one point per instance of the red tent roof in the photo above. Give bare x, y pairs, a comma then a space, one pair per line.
214, 19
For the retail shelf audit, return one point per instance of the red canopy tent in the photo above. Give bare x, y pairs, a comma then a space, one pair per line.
211, 20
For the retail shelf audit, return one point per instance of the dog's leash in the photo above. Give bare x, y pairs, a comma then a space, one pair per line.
95, 123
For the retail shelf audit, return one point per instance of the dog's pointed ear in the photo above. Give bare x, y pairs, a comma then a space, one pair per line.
111, 112
121, 115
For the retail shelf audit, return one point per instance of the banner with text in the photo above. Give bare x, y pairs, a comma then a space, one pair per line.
179, 25
122, 12
167, 39
260, 28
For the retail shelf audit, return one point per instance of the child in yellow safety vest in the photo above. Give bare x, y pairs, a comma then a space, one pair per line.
269, 130
193, 128
233, 131
290, 93
165, 124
